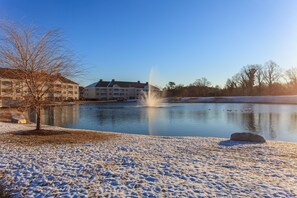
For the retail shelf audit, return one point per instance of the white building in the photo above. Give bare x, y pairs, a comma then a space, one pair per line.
108, 90
13, 89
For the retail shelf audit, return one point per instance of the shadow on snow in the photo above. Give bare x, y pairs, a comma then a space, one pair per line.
235, 143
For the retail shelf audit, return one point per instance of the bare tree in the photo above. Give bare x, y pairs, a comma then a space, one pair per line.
240, 81
38, 59
271, 73
292, 76
202, 82
259, 79
230, 86
249, 75
202, 86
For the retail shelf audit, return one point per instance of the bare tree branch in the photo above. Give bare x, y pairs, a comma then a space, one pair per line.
38, 59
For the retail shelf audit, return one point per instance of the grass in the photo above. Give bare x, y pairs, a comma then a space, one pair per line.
54, 137
3, 194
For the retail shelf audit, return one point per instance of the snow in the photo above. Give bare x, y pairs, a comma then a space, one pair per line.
290, 99
148, 166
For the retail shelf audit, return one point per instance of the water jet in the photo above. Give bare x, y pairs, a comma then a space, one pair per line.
151, 98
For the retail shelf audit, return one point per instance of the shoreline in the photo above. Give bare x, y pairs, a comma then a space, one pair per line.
279, 99
286, 99
141, 165
268, 103
31, 126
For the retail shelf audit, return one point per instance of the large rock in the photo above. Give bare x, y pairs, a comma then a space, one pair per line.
249, 137
19, 119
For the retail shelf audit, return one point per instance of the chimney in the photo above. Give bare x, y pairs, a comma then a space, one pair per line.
112, 80
146, 83
100, 80
138, 81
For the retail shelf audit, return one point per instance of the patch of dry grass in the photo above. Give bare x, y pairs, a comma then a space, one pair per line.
3, 194
54, 137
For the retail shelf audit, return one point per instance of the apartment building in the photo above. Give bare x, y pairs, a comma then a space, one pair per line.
108, 90
13, 89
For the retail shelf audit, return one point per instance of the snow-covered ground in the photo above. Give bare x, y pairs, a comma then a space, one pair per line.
148, 166
292, 99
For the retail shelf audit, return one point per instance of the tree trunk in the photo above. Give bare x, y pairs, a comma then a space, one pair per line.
38, 118
270, 88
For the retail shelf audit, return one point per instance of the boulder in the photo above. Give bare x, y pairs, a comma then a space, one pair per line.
19, 119
248, 137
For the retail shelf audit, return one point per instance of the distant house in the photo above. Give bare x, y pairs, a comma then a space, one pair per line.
108, 90
12, 88
81, 92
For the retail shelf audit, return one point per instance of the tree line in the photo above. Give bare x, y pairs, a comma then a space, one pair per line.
251, 80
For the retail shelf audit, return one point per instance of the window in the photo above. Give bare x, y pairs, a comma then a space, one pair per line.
17, 84
7, 90
7, 83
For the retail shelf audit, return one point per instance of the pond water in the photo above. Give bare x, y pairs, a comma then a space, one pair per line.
274, 122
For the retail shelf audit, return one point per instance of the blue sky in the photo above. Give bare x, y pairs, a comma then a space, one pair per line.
183, 40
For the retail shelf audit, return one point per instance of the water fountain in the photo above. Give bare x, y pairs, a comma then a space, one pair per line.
151, 97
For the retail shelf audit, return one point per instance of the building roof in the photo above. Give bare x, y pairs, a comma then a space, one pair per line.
138, 84
102, 83
11, 74
66, 80
92, 85
8, 73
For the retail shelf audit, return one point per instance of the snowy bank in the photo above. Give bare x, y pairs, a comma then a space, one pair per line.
238, 99
137, 165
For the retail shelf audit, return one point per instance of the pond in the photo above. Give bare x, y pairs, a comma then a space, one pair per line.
274, 122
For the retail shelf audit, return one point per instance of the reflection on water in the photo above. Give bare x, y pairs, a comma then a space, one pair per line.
151, 115
274, 122
59, 116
